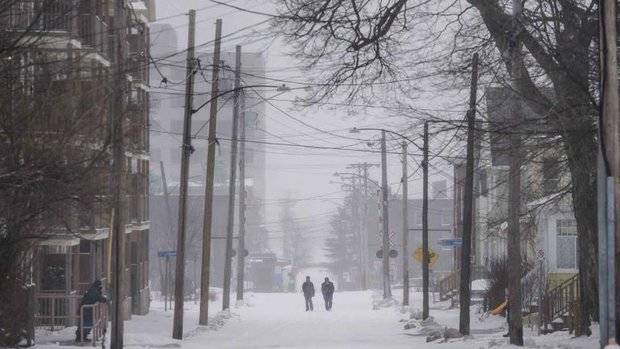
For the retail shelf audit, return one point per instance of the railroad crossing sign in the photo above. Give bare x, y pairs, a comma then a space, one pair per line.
392, 254
432, 256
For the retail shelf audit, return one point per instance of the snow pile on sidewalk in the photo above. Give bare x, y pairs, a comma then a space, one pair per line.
379, 302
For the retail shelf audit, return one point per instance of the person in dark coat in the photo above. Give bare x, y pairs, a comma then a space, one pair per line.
308, 289
94, 295
327, 288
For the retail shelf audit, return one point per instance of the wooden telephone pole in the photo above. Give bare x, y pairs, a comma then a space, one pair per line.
362, 173
387, 291
425, 252
515, 322
242, 204
405, 213
118, 174
186, 151
208, 205
608, 173
232, 183
468, 205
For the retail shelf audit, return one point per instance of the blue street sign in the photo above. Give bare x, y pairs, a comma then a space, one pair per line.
456, 242
167, 254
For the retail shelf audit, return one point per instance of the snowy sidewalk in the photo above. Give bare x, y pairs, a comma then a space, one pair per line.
278, 320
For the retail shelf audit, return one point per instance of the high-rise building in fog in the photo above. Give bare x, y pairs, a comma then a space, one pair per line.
168, 76
440, 189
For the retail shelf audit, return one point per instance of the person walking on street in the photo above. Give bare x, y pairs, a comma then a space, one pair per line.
308, 289
327, 288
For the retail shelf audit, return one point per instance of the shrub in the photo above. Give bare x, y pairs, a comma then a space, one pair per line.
498, 281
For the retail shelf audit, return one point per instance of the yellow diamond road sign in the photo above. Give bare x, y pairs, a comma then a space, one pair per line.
432, 256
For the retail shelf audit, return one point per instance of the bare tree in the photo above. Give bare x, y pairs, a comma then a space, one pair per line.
54, 137
359, 47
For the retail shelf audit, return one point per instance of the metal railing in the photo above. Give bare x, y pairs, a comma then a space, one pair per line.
532, 287
99, 324
562, 301
449, 285
37, 15
56, 310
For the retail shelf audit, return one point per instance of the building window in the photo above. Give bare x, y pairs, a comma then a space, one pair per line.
483, 182
566, 254
53, 272
175, 155
446, 218
551, 176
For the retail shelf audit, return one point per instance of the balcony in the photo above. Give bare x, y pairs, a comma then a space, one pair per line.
38, 16
93, 32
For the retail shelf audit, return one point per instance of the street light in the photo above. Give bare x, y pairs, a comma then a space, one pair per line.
209, 187
231, 189
387, 292
279, 88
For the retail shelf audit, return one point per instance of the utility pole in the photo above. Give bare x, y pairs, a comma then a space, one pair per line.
425, 254
387, 292
405, 228
608, 170
468, 206
362, 173
355, 209
232, 183
164, 183
186, 151
118, 174
364, 242
166, 277
515, 323
208, 205
242, 198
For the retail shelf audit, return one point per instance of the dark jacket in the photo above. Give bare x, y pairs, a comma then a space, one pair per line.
93, 295
308, 288
327, 288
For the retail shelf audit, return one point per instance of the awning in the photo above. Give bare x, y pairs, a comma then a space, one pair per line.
95, 233
65, 240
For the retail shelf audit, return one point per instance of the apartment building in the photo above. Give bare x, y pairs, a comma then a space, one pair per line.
168, 76
548, 225
61, 76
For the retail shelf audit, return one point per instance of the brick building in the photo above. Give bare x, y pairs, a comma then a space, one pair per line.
62, 75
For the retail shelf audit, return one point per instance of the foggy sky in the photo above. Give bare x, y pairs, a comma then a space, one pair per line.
297, 173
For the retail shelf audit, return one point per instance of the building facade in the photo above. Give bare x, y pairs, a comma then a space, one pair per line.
168, 78
548, 226
63, 79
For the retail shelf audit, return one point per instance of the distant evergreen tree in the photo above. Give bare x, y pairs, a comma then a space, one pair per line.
342, 246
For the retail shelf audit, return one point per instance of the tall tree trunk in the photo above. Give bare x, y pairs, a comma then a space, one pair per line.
580, 150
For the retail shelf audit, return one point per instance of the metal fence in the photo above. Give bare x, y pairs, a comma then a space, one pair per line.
99, 323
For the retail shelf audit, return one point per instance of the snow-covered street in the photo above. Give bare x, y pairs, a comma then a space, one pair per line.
278, 320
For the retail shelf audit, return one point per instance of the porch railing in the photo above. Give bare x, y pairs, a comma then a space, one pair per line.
562, 302
449, 285
56, 310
